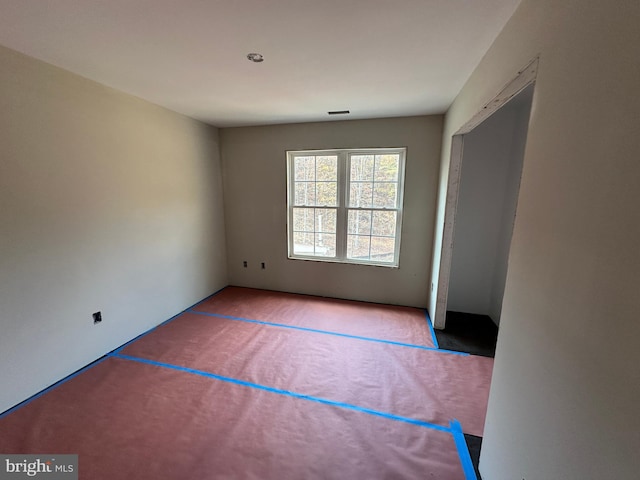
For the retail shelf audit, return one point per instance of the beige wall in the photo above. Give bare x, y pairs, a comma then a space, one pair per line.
256, 214
106, 203
566, 384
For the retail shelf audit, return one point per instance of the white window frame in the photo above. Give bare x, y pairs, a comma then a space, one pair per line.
343, 191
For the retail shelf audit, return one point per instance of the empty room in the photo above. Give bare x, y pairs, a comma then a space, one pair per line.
319, 240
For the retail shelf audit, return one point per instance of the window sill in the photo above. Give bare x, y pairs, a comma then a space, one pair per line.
345, 262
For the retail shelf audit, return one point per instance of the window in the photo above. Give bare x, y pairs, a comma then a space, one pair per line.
345, 205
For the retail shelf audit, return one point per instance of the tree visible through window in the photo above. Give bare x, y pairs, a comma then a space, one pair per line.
346, 205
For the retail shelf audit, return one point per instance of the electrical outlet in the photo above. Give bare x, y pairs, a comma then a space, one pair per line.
244, 264
263, 266
97, 317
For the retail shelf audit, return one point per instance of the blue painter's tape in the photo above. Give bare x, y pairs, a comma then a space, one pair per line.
124, 345
433, 332
69, 377
327, 332
204, 299
121, 347
463, 450
287, 393
51, 387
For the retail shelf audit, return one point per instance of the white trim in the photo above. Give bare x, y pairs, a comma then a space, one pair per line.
343, 199
457, 148
522, 80
343, 193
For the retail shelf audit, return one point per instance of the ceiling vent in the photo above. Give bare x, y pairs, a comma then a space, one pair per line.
255, 57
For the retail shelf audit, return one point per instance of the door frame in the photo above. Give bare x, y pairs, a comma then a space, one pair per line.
524, 78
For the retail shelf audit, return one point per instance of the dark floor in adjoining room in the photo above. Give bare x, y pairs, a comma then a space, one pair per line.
470, 333
477, 335
473, 444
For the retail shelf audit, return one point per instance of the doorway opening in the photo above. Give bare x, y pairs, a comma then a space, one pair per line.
484, 178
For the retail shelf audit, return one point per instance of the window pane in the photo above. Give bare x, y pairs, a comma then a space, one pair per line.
358, 247
361, 167
361, 194
327, 193
366, 197
386, 168
325, 220
384, 195
303, 219
305, 193
302, 243
327, 168
359, 222
382, 249
314, 232
304, 168
325, 244
384, 224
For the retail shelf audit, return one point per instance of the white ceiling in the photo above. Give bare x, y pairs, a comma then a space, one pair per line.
376, 58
